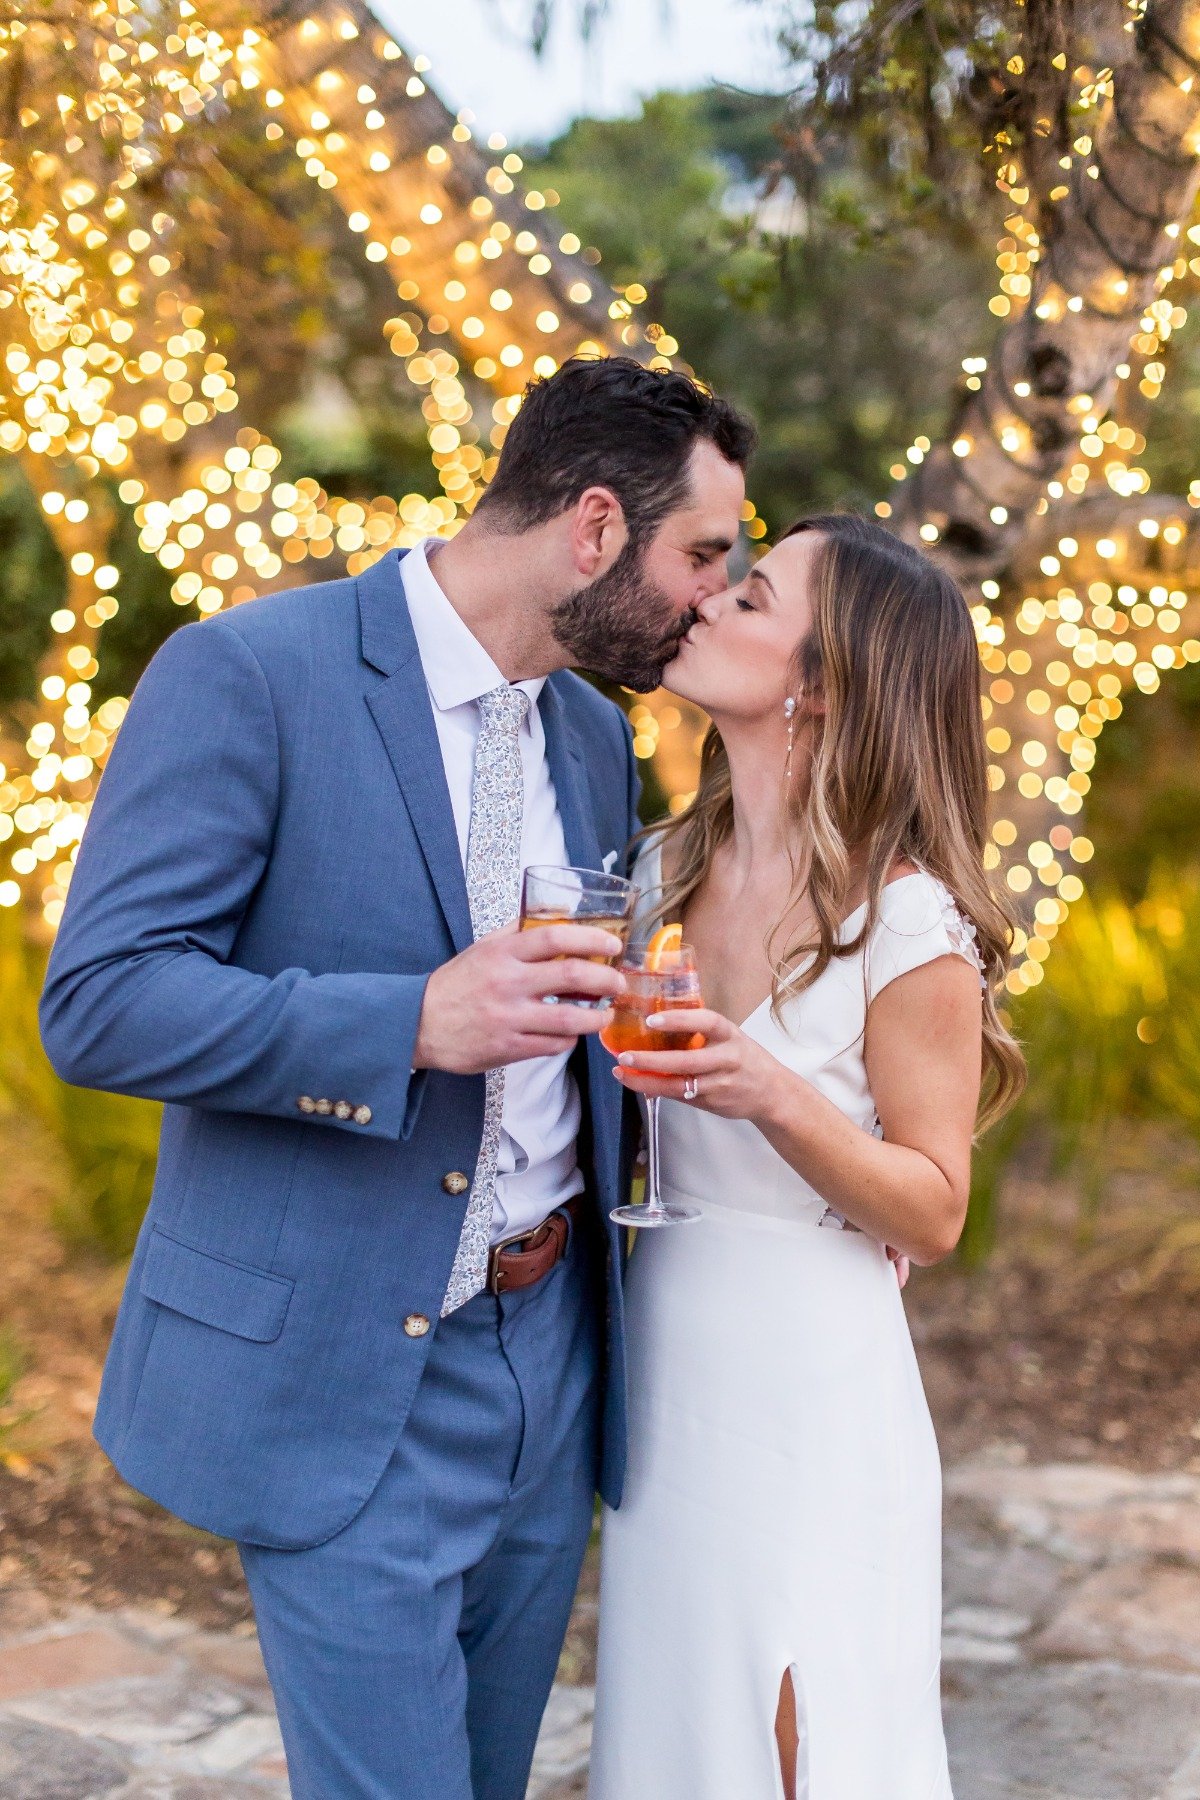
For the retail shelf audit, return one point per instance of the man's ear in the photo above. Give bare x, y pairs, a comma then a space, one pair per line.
598, 532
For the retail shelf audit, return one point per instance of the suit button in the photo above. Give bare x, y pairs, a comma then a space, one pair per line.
306, 1103
416, 1325
324, 1107
455, 1182
362, 1115
342, 1109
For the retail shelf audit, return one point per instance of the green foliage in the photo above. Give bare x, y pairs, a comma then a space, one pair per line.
1089, 1069
938, 97
988, 1165
12, 1366
1144, 809
12, 1420
304, 313
842, 337
109, 1143
32, 583
1112, 1036
147, 615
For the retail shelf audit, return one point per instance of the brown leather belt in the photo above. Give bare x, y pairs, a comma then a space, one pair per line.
519, 1262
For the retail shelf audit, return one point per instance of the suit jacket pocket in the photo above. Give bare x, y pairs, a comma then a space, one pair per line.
247, 1302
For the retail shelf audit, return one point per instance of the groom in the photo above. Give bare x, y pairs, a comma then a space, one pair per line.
373, 1326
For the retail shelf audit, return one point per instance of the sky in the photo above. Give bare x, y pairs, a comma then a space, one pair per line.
482, 61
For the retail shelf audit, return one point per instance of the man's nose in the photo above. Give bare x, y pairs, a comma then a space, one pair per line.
712, 581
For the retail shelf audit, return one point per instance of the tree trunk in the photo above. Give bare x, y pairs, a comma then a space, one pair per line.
437, 194
1056, 361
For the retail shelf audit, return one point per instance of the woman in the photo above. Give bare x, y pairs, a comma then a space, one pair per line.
770, 1601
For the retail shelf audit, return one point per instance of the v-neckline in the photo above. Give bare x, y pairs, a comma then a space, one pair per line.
852, 914
914, 875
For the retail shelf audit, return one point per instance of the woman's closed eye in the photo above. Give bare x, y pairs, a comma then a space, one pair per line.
745, 605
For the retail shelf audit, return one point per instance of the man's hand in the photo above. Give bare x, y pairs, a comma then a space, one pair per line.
902, 1265
487, 1006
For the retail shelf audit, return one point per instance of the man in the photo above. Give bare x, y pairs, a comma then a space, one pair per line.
374, 1315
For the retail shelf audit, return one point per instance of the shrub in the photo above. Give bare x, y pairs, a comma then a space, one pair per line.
109, 1142
1112, 1035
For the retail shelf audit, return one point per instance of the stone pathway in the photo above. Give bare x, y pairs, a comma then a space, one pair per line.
1072, 1664
1072, 1632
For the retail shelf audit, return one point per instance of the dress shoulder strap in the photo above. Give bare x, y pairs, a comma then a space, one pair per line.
647, 876
919, 921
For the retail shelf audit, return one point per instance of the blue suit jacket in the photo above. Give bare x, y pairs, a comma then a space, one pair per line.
270, 873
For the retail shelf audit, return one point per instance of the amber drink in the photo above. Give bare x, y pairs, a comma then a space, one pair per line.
564, 896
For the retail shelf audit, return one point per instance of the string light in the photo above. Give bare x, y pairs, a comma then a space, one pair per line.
105, 356
1101, 615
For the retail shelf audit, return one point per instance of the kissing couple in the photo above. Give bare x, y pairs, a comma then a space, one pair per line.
379, 1328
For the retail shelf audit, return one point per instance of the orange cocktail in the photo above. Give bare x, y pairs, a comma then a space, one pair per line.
660, 978
631, 1010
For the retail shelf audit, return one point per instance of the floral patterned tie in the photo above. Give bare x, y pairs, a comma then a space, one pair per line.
493, 890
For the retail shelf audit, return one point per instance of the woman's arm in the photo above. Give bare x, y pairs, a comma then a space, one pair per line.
923, 1055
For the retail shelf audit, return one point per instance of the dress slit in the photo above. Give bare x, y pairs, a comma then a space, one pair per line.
790, 1680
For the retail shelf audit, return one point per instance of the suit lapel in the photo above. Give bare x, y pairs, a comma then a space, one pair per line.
564, 754
403, 715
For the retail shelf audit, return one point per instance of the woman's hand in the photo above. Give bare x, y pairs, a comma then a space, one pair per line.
734, 1076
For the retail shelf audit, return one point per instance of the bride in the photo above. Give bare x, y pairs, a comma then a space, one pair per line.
770, 1597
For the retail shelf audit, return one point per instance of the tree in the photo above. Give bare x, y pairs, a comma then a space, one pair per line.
838, 330
153, 152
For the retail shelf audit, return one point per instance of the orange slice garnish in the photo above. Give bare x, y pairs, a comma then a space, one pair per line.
667, 941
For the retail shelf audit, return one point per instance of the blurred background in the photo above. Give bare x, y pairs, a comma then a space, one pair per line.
831, 213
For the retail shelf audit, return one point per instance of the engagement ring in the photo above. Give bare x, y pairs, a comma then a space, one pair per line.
691, 1088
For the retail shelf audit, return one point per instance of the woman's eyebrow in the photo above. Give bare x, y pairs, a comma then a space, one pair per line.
757, 575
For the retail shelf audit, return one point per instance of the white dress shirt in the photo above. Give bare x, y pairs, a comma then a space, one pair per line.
537, 1168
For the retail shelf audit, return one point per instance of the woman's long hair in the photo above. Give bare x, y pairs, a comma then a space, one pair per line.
899, 769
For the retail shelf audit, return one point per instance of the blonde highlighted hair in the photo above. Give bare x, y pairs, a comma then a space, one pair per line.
899, 769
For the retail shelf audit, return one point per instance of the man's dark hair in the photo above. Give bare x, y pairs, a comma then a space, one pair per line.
609, 422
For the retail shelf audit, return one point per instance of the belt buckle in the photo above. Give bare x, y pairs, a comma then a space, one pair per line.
534, 1239
496, 1250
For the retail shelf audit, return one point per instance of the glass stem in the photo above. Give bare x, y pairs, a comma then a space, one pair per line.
653, 1197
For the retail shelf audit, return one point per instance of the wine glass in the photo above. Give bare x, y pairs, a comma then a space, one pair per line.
656, 980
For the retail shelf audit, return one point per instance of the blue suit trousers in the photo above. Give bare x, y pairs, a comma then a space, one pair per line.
411, 1655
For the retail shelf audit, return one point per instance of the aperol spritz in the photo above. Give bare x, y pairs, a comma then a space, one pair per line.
659, 977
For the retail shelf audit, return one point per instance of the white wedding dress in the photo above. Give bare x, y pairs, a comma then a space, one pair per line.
782, 1508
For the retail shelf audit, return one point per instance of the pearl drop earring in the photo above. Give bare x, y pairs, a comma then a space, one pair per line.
789, 713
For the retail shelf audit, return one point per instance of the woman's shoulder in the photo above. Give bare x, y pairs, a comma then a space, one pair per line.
910, 896
919, 919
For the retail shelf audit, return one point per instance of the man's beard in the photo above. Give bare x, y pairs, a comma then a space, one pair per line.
621, 625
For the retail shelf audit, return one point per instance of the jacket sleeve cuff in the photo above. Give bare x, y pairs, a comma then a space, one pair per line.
367, 1055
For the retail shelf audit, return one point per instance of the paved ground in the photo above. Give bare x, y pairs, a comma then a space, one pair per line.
1072, 1664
